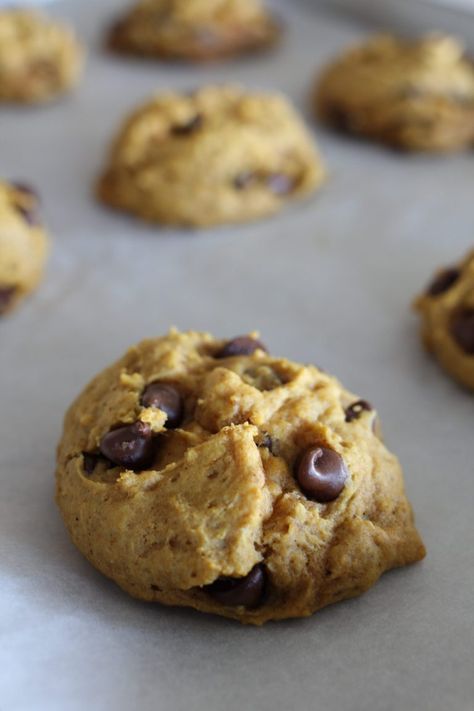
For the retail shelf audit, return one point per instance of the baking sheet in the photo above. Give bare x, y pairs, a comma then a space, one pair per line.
411, 16
329, 281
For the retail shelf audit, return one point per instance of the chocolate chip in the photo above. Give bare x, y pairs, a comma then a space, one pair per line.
30, 211
240, 346
443, 281
338, 118
30, 214
321, 473
268, 442
243, 180
281, 184
92, 459
27, 189
187, 128
248, 591
130, 446
6, 297
90, 462
354, 411
165, 397
462, 329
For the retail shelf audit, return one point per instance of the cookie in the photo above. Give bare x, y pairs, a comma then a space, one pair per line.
39, 57
194, 30
413, 95
23, 244
208, 474
447, 311
220, 155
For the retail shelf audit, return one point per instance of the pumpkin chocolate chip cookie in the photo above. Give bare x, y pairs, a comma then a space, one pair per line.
209, 474
219, 155
194, 30
23, 244
415, 95
39, 57
447, 311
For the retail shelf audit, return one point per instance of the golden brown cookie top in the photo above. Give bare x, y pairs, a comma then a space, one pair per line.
386, 65
23, 242
447, 310
221, 154
409, 94
39, 56
173, 125
198, 11
450, 290
209, 473
214, 384
194, 29
26, 35
19, 214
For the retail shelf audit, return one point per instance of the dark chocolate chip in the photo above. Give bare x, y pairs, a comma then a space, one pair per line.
166, 397
443, 281
354, 411
186, 129
27, 189
117, 28
130, 446
7, 294
248, 591
30, 214
462, 329
90, 462
338, 118
321, 473
269, 443
240, 346
281, 184
243, 180
30, 211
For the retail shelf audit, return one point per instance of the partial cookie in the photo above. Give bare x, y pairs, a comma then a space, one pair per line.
218, 155
194, 30
209, 474
415, 95
39, 57
23, 244
447, 311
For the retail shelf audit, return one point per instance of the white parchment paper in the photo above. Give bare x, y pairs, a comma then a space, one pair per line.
328, 281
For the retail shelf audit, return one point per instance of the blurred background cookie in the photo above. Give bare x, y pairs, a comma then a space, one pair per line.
415, 95
23, 244
40, 58
194, 29
447, 311
219, 155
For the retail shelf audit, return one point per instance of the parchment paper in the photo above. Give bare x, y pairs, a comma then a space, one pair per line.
329, 281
